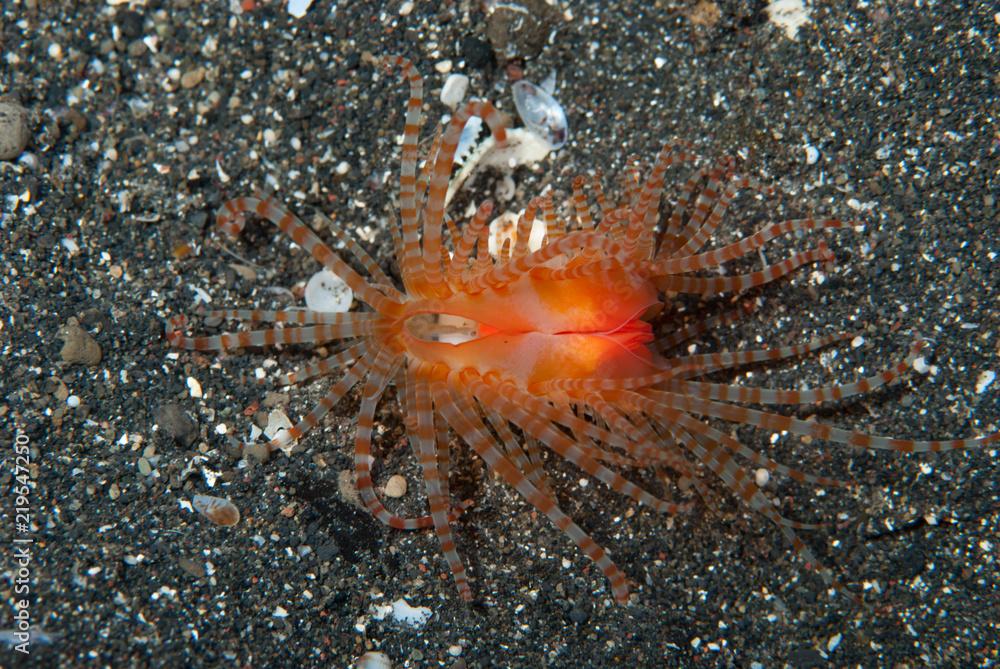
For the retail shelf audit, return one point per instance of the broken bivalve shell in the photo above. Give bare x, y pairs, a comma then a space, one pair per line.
540, 112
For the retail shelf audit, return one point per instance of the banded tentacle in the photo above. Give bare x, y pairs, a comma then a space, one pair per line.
448, 390
231, 220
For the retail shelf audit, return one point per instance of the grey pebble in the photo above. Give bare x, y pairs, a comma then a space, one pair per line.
130, 23
327, 551
175, 423
14, 131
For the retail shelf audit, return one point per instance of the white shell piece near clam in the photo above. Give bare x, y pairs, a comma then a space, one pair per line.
540, 112
325, 291
218, 510
524, 147
470, 133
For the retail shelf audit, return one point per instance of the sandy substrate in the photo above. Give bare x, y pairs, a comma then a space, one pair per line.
143, 121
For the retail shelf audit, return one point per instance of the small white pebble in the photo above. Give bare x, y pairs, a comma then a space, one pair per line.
443, 66
454, 89
221, 428
72, 401
405, 8
280, 612
857, 341
659, 62
920, 365
455, 650
984, 380
194, 388
342, 168
55, 51
761, 477
834, 641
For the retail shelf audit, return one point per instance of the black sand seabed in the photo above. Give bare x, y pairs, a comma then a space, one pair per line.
900, 101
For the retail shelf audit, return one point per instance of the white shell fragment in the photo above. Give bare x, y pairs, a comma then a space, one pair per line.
402, 612
218, 510
327, 292
920, 365
788, 15
298, 8
454, 90
277, 421
194, 388
523, 147
540, 113
984, 380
